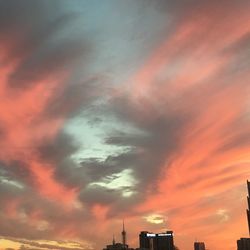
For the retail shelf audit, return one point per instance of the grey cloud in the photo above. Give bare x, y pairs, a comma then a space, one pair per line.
241, 45
240, 50
47, 61
45, 54
120, 138
28, 16
16, 169
8, 191
239, 140
29, 202
44, 43
99, 195
15, 228
58, 152
95, 169
54, 151
76, 97
146, 154
161, 138
179, 6
44, 46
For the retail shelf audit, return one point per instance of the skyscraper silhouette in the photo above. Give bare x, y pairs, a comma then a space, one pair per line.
248, 210
244, 243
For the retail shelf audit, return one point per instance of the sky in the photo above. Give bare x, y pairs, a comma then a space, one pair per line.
136, 110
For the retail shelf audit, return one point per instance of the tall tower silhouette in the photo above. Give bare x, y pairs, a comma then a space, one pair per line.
248, 210
123, 235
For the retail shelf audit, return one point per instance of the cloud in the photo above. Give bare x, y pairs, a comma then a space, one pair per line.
179, 127
191, 108
64, 245
155, 218
38, 92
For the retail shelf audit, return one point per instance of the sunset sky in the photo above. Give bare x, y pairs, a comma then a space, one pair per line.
123, 109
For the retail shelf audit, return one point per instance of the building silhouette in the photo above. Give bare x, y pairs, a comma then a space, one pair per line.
244, 243
156, 241
248, 210
199, 246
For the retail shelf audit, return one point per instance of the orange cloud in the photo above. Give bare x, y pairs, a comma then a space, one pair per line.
24, 129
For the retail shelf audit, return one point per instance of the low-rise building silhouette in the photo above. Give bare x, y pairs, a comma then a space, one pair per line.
199, 246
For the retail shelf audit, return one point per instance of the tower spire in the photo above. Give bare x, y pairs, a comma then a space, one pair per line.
123, 234
113, 239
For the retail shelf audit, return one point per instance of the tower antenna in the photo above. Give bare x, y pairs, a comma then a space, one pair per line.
123, 235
